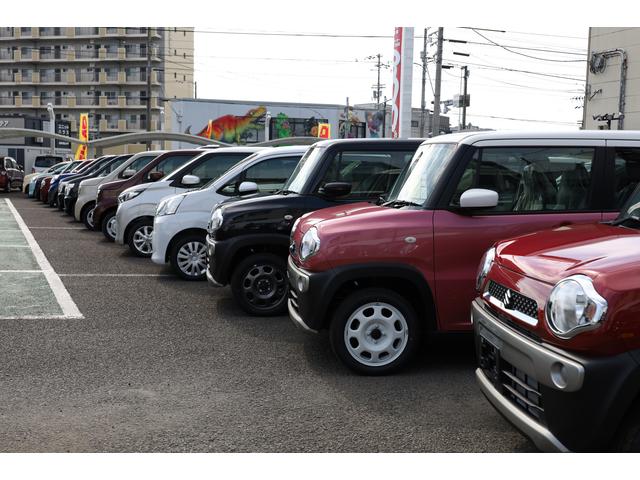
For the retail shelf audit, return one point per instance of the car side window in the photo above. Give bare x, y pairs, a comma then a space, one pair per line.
270, 175
626, 173
214, 166
137, 164
370, 173
531, 179
169, 164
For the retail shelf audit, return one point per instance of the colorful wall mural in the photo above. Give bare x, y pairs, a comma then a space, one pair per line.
234, 128
375, 122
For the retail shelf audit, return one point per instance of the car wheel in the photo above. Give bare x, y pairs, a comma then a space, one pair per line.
259, 284
374, 331
86, 215
53, 202
109, 226
139, 240
628, 437
188, 257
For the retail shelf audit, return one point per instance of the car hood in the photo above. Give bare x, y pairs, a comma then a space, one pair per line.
350, 212
591, 249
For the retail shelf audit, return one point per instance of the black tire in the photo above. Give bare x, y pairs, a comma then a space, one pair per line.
264, 271
84, 215
185, 241
628, 437
393, 356
143, 223
105, 224
53, 202
26, 189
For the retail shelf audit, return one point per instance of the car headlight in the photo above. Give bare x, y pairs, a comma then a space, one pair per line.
169, 206
293, 229
485, 264
216, 220
574, 306
310, 243
126, 196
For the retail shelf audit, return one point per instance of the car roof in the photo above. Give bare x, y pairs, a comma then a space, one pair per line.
469, 138
366, 141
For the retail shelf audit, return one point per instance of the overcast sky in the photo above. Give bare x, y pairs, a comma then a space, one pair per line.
324, 69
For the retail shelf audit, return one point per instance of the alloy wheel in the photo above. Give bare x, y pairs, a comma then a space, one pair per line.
90, 218
192, 259
111, 227
142, 239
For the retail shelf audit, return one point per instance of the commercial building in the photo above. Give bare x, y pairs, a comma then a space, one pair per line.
246, 122
612, 95
101, 71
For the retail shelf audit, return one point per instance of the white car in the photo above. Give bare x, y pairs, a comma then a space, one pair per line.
179, 227
83, 210
137, 205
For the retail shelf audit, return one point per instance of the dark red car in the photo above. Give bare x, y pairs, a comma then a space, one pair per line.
379, 277
558, 334
104, 215
11, 174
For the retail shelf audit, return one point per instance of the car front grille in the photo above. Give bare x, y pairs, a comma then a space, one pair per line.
519, 388
522, 390
513, 300
293, 296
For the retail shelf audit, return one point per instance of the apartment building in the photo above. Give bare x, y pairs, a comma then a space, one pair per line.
101, 71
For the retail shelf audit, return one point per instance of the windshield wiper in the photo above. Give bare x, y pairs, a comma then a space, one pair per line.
400, 203
620, 221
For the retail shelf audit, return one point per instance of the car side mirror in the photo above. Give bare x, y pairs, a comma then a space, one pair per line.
247, 188
190, 180
128, 173
479, 198
155, 176
336, 189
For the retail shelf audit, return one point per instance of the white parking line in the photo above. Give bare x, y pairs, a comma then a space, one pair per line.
114, 275
57, 228
68, 306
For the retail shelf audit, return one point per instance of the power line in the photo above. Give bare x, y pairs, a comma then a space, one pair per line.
491, 67
522, 119
509, 49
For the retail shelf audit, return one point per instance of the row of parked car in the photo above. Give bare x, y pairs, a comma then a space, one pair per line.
527, 239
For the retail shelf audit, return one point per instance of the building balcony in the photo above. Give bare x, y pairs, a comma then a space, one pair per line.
7, 33
86, 31
8, 101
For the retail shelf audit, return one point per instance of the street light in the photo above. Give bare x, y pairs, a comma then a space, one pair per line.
52, 127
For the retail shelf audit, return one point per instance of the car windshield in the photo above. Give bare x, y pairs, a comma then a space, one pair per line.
630, 212
418, 181
304, 169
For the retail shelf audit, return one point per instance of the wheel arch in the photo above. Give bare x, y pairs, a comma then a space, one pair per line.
180, 235
127, 231
404, 280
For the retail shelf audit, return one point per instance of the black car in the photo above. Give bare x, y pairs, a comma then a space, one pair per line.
70, 193
248, 240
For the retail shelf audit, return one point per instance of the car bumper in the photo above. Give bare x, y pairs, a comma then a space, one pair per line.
163, 231
560, 401
301, 304
69, 204
214, 264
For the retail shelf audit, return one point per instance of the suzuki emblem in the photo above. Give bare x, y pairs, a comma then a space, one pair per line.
507, 299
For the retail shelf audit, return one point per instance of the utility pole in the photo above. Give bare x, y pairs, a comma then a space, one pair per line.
435, 129
464, 97
423, 104
347, 123
378, 87
148, 85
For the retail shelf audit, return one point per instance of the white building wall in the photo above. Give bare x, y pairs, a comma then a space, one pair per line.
608, 81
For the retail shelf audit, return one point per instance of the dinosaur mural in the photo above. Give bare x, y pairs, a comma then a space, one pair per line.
374, 123
233, 128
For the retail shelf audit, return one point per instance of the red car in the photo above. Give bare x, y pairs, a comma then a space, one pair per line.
11, 174
379, 277
558, 337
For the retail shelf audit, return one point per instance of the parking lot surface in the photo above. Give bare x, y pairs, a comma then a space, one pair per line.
157, 364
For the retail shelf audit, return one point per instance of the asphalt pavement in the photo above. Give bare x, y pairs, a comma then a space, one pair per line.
158, 364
